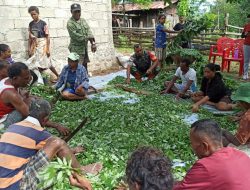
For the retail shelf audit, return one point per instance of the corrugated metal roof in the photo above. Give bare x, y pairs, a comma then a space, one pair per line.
135, 7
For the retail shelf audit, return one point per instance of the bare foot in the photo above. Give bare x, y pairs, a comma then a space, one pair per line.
78, 149
92, 168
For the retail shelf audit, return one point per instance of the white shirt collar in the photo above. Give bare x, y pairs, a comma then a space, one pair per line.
33, 120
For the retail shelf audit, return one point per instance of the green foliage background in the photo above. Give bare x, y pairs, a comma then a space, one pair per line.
238, 11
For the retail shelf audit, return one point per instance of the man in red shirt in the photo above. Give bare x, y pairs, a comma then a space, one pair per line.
142, 64
246, 35
218, 168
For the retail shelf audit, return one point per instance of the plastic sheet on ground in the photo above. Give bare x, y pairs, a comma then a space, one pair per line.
100, 82
128, 98
178, 163
213, 110
191, 118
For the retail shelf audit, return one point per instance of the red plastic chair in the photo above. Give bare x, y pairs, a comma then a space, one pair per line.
234, 54
217, 50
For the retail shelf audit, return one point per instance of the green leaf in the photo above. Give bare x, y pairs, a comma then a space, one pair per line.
60, 176
59, 161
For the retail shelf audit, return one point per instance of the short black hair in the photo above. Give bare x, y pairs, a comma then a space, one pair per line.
16, 69
137, 46
209, 128
161, 15
186, 61
3, 48
33, 8
3, 64
213, 67
150, 168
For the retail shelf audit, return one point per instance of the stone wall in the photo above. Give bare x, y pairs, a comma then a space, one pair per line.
14, 19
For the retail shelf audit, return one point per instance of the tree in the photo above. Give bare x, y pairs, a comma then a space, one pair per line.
238, 11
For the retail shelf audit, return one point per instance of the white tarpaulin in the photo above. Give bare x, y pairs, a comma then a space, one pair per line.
100, 82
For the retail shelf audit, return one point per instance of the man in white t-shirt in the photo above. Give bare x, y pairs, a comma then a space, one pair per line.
188, 78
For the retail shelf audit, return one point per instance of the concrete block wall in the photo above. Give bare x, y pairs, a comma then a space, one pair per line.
14, 19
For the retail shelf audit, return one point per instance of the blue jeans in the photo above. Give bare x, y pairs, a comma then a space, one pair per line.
246, 59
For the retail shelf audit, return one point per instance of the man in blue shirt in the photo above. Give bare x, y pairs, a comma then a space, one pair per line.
73, 82
161, 39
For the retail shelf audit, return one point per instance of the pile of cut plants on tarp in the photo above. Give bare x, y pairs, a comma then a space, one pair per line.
117, 128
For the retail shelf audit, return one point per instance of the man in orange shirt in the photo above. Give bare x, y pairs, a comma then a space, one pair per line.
142, 64
246, 35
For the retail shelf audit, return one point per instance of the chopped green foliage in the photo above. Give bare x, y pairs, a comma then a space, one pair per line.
116, 129
56, 175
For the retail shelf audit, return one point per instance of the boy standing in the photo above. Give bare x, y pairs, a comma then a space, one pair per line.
161, 39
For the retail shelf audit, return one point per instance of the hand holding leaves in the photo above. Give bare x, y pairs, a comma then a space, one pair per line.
79, 181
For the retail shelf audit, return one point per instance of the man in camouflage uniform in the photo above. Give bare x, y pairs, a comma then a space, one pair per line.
80, 34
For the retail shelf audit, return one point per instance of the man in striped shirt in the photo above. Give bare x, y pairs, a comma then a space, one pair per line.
26, 147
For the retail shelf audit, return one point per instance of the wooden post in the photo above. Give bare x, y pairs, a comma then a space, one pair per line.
153, 22
119, 22
130, 23
141, 24
226, 22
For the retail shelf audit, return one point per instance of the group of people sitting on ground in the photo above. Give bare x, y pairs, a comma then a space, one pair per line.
24, 116
218, 166
14, 102
213, 91
26, 147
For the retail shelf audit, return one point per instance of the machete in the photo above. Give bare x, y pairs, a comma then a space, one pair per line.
69, 137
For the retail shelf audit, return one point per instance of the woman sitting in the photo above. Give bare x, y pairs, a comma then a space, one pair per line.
213, 90
73, 82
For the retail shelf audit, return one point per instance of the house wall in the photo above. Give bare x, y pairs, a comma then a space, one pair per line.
146, 17
14, 19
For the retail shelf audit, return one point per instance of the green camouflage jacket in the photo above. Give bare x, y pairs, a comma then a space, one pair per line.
79, 33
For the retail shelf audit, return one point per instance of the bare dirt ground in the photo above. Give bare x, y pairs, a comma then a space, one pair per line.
113, 69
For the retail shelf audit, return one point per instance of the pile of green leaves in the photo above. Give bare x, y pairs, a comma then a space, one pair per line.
56, 175
193, 28
187, 53
116, 129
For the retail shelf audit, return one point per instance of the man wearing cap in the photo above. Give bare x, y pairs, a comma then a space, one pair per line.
242, 135
73, 82
80, 34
